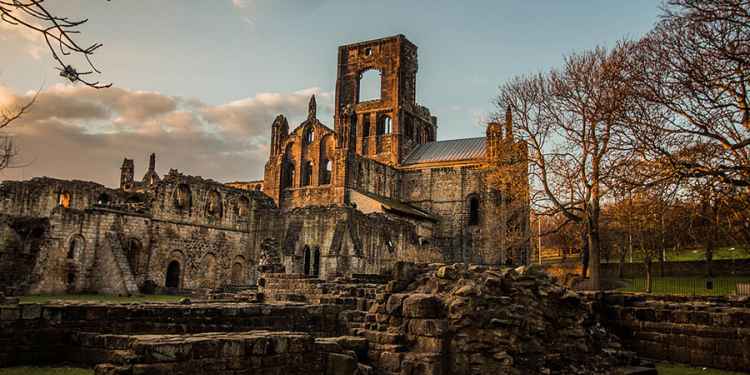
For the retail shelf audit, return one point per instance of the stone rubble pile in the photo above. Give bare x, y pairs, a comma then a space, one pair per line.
458, 319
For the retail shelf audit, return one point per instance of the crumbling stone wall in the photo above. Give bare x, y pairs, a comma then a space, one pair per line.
33, 334
40, 195
454, 319
21, 241
700, 331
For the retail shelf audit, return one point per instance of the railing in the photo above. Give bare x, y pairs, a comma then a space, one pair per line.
687, 286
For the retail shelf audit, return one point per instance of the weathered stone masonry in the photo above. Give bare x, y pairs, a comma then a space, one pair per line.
376, 189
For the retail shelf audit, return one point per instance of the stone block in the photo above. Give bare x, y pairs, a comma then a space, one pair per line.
340, 364
10, 313
31, 311
427, 327
423, 306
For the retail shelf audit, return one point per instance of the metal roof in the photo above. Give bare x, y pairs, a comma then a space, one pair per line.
454, 149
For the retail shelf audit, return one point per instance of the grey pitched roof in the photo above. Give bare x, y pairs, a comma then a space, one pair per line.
451, 150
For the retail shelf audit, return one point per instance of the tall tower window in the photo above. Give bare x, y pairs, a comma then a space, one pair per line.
369, 85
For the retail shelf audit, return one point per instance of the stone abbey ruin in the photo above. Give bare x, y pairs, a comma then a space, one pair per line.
369, 248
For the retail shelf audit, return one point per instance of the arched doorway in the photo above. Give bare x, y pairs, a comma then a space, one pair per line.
316, 262
307, 260
238, 274
173, 275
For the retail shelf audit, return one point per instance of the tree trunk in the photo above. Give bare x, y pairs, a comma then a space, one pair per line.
584, 255
647, 260
621, 268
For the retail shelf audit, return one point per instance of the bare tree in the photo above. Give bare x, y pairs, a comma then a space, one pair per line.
570, 119
691, 75
57, 32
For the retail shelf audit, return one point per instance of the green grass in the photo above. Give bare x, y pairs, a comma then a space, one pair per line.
675, 369
99, 298
45, 371
690, 255
700, 254
686, 285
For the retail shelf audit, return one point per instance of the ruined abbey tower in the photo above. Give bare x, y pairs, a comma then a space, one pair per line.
373, 189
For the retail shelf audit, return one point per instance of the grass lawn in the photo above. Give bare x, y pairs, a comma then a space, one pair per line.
675, 369
99, 298
700, 254
45, 371
690, 255
687, 285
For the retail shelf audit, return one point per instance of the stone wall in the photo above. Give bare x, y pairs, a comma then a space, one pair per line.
253, 352
21, 241
710, 332
33, 334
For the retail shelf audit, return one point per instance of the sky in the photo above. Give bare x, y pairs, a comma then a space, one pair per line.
200, 82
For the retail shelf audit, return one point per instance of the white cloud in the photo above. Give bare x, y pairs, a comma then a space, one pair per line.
83, 133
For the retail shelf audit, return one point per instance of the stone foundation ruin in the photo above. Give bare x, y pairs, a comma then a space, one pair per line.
420, 319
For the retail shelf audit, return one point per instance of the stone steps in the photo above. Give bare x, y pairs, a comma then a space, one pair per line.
122, 262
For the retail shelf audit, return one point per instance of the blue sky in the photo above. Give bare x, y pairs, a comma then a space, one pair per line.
241, 60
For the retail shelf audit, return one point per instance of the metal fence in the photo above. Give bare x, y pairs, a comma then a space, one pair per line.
720, 286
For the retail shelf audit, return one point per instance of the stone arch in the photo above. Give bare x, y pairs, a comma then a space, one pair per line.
369, 85
473, 209
172, 276
183, 197
214, 205
76, 246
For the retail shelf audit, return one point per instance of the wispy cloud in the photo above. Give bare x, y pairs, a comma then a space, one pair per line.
79, 132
